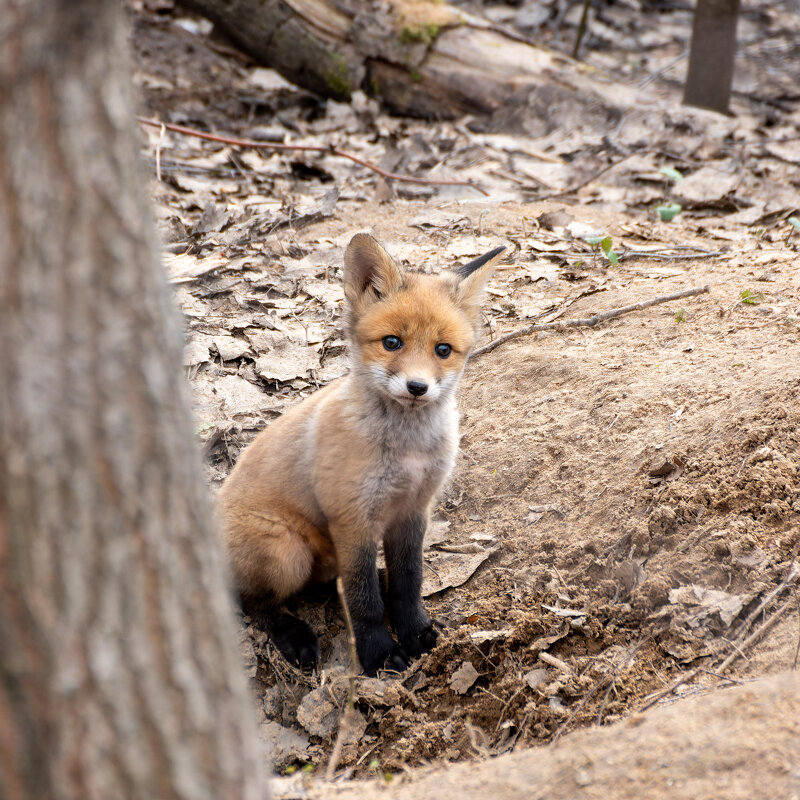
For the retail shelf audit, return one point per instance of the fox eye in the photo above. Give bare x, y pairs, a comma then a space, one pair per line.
443, 350
392, 342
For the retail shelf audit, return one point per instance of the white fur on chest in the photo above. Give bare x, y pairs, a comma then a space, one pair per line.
417, 454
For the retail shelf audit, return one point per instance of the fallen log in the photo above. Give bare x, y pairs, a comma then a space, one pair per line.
420, 57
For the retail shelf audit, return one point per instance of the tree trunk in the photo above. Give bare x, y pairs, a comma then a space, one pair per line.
420, 57
712, 55
119, 673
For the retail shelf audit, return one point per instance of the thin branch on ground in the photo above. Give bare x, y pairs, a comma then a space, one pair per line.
792, 573
756, 635
346, 719
661, 70
589, 322
797, 649
740, 644
591, 179
610, 678
663, 255
308, 148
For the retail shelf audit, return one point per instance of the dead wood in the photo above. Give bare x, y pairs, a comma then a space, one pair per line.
588, 322
420, 57
305, 148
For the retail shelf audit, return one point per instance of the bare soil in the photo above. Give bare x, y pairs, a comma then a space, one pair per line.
626, 499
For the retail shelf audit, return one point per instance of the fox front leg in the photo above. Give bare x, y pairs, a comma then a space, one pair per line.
375, 646
402, 546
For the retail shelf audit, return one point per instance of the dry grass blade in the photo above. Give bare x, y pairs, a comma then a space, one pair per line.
345, 721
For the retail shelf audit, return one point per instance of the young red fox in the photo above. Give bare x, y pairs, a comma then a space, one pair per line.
359, 462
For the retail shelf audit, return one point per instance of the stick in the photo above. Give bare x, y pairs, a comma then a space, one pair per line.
307, 148
755, 635
350, 706
737, 649
589, 322
591, 179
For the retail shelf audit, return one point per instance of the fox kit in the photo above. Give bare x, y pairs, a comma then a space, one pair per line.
359, 462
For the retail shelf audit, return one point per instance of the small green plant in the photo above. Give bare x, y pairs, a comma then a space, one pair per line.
423, 34
375, 766
669, 211
752, 298
680, 315
672, 173
795, 222
606, 245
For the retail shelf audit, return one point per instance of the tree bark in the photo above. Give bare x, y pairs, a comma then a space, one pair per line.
422, 58
712, 55
119, 671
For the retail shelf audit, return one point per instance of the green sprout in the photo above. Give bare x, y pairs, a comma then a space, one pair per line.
672, 173
669, 211
752, 298
606, 245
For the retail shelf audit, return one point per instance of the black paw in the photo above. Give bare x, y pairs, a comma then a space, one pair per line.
377, 650
295, 639
417, 643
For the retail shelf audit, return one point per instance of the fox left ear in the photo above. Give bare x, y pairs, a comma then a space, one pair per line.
370, 273
473, 277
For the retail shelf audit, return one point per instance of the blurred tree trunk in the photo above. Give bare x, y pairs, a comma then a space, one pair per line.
422, 58
712, 55
119, 671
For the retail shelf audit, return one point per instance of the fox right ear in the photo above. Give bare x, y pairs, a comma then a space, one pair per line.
369, 269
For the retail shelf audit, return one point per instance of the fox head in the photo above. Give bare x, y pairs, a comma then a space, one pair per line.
410, 332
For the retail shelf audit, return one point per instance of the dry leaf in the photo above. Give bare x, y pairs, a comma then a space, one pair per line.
446, 570
463, 678
287, 361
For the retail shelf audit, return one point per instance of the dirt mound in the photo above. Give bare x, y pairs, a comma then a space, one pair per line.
738, 744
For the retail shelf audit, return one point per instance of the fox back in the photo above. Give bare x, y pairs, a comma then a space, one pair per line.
360, 461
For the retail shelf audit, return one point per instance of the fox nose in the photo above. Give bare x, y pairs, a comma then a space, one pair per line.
417, 388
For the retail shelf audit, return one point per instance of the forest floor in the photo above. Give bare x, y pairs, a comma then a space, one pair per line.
624, 510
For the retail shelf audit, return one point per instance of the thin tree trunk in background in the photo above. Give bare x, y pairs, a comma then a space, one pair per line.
712, 55
119, 670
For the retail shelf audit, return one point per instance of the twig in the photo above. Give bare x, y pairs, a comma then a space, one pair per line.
350, 707
611, 677
664, 256
308, 148
581, 29
797, 649
661, 70
755, 635
738, 648
589, 322
556, 662
593, 177
792, 573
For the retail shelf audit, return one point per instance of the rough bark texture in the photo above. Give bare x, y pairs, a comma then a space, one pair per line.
119, 673
740, 744
420, 57
712, 55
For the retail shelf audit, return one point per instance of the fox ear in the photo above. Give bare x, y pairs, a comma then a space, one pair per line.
368, 268
473, 277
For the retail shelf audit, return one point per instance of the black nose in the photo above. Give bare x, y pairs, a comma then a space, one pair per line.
417, 388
